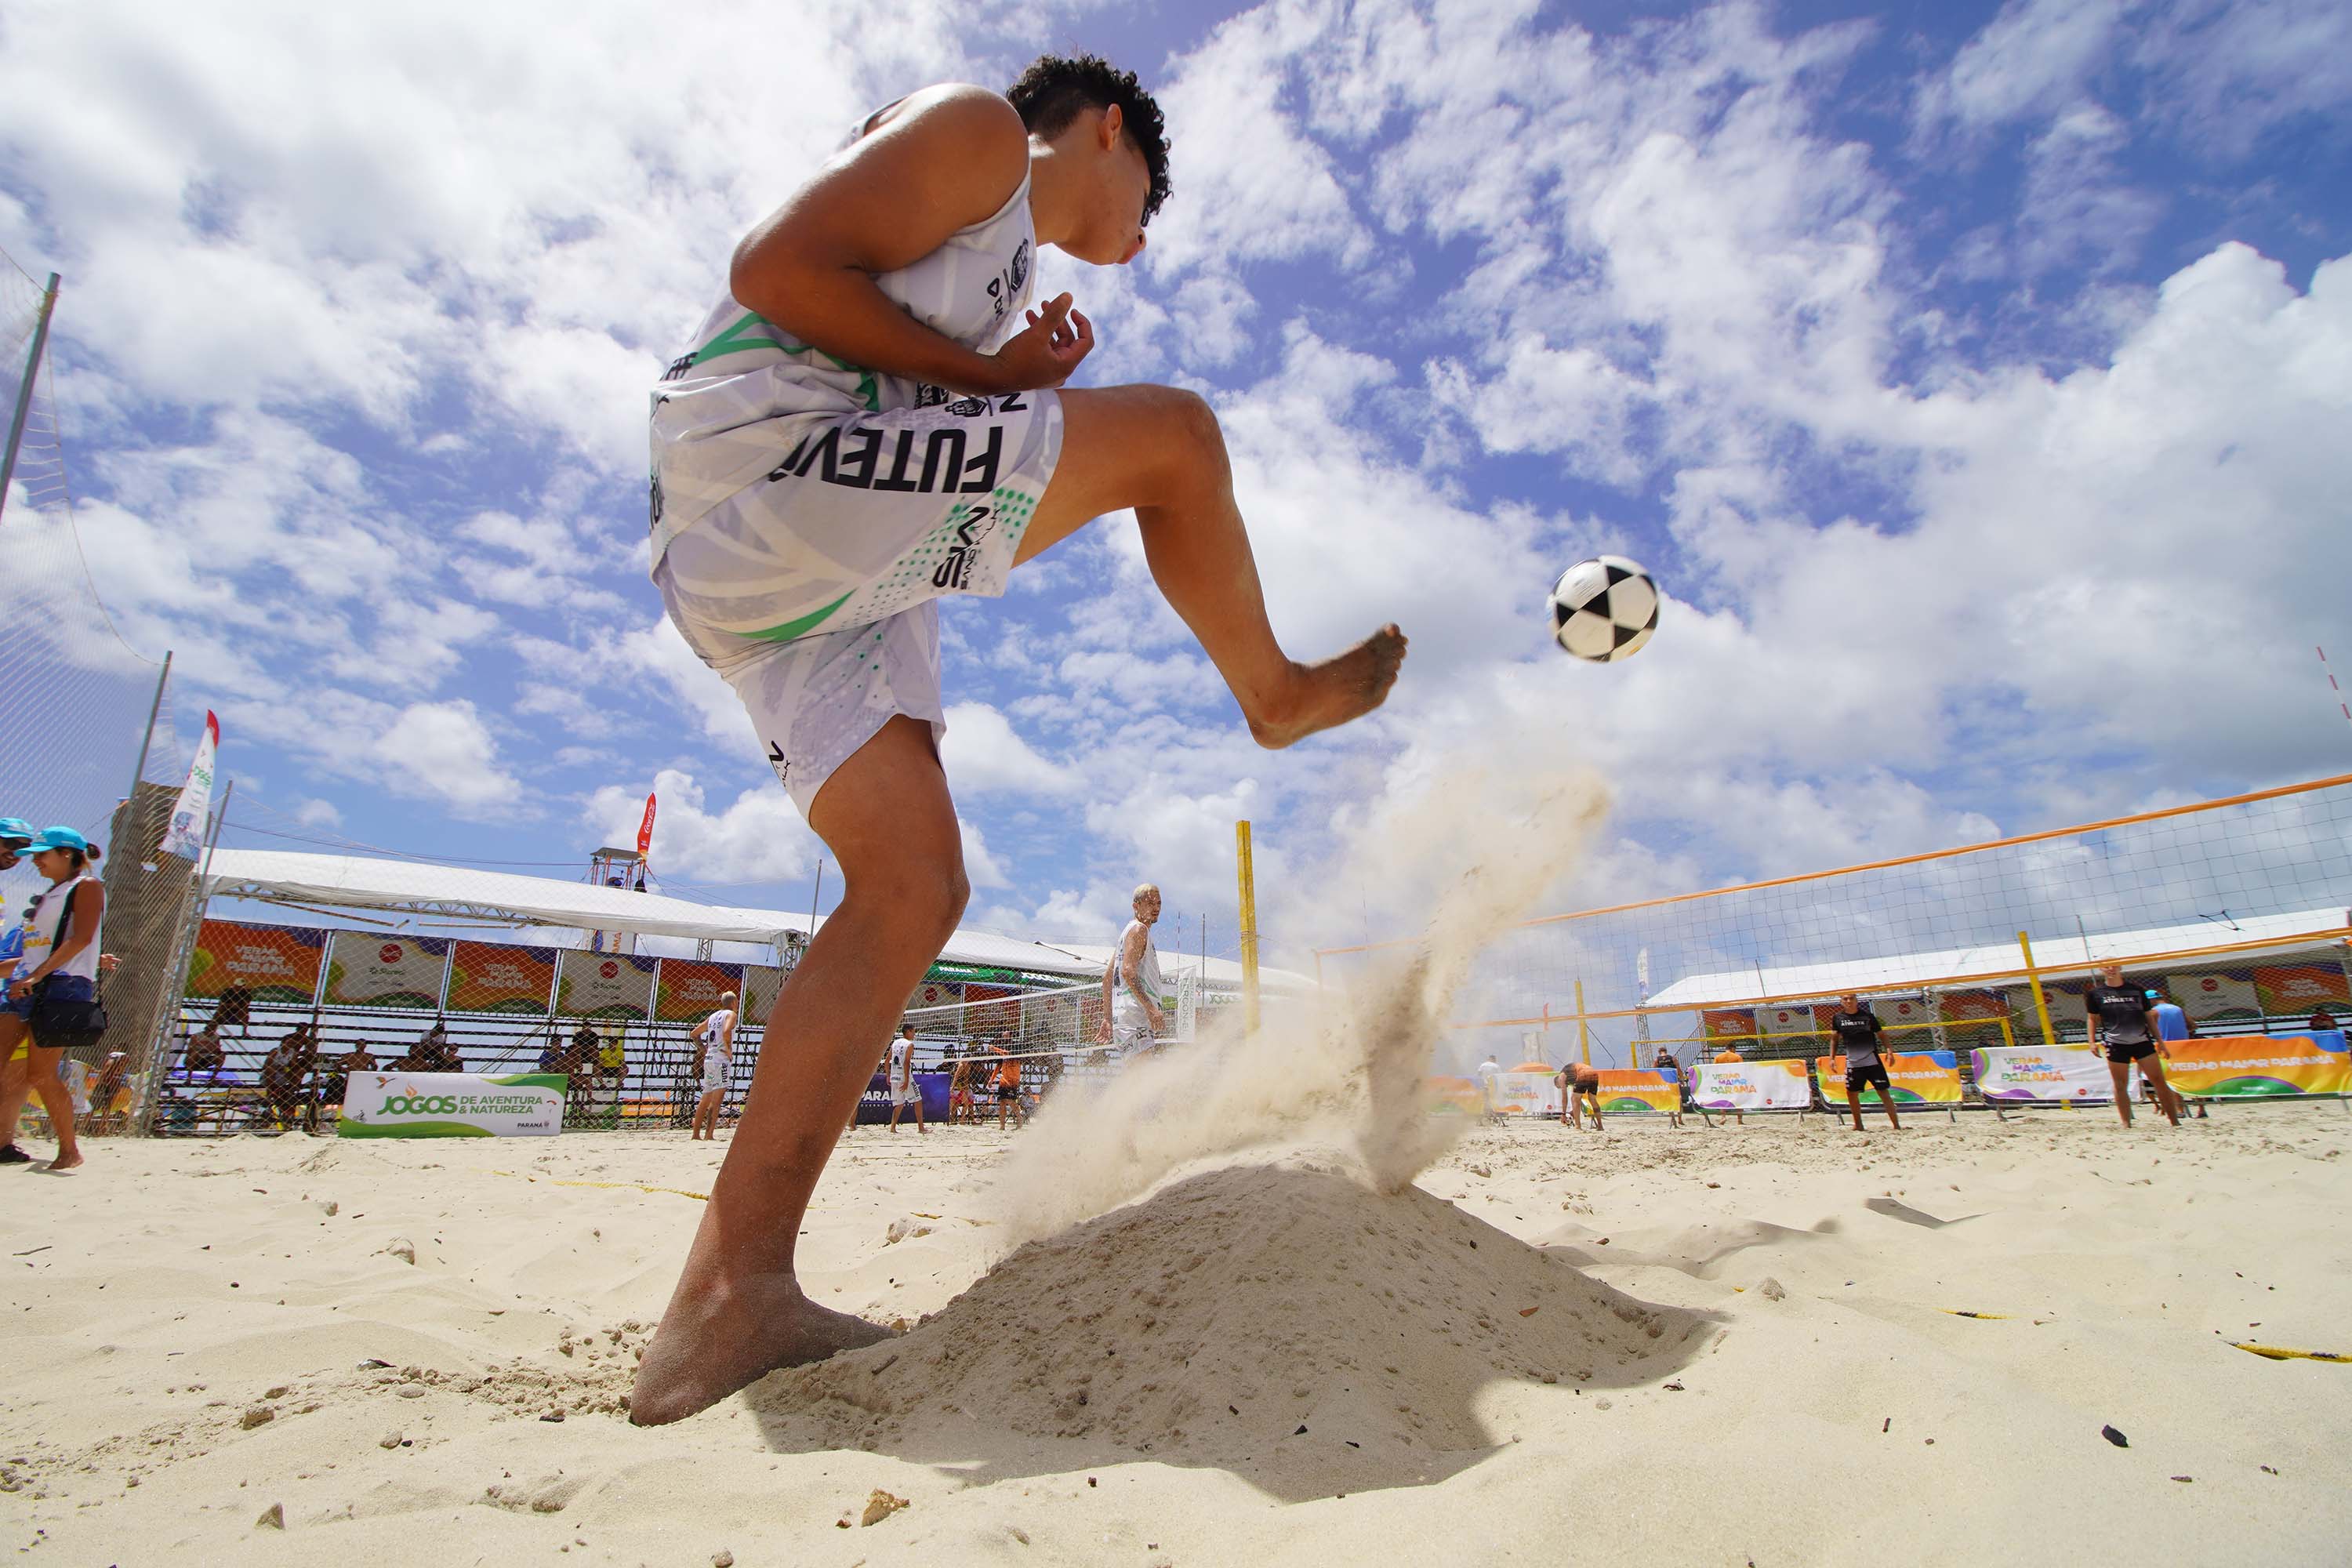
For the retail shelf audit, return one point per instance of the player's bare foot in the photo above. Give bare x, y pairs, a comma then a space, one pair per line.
727, 1338
1328, 694
64, 1162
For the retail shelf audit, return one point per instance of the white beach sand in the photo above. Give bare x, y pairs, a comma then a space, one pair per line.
191, 1340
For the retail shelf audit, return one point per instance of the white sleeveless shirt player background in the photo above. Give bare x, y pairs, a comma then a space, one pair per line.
809, 513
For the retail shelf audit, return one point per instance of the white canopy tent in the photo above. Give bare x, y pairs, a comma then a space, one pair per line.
462, 893
2056, 958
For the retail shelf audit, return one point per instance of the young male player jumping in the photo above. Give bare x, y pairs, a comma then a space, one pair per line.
867, 422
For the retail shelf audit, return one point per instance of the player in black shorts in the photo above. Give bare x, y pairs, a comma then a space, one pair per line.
2121, 1018
1856, 1028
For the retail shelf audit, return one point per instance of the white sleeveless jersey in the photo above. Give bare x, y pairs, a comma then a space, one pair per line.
723, 416
899, 1049
1147, 972
41, 933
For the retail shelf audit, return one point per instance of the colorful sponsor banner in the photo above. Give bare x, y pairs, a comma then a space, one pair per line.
2216, 996
185, 834
493, 977
1722, 1023
270, 963
2250, 1065
2032, 1072
1453, 1096
1525, 1094
1639, 1088
687, 990
451, 1105
602, 984
936, 993
1926, 1077
2301, 988
1752, 1086
365, 971
761, 983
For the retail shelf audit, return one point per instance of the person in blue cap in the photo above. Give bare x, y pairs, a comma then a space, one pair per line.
59, 965
15, 833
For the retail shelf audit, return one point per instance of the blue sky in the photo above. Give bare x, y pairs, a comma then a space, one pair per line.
1972, 377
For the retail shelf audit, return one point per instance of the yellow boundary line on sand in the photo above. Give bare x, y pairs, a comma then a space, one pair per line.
2279, 1352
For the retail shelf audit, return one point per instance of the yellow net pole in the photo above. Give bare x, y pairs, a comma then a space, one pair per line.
1249, 925
1583, 1029
2041, 1003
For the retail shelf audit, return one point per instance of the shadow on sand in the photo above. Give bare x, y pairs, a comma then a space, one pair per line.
1282, 1323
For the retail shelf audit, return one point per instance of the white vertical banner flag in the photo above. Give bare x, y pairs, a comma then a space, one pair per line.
185, 836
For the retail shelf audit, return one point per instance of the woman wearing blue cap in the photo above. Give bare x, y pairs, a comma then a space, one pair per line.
53, 984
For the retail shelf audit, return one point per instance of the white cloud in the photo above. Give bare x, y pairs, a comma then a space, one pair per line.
2031, 59
758, 836
983, 753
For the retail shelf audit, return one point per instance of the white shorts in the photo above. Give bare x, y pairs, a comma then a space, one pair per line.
910, 1095
815, 591
1132, 1036
714, 1077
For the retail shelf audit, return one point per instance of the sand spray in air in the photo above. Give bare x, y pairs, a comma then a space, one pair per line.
1342, 1069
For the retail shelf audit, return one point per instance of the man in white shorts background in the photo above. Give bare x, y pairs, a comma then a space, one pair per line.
903, 1091
1135, 1018
714, 1058
867, 422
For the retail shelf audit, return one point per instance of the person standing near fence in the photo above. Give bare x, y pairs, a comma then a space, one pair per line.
1667, 1063
2119, 1016
57, 982
959, 1099
714, 1058
904, 1092
1133, 1020
1856, 1029
16, 835
1008, 1088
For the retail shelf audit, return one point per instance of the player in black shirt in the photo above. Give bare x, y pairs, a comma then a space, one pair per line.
2120, 1017
1856, 1028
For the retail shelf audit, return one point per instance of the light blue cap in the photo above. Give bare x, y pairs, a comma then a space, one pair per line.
59, 838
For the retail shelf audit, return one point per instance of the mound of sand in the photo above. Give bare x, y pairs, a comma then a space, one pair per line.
1282, 1320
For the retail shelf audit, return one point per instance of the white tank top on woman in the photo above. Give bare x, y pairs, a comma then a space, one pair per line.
41, 933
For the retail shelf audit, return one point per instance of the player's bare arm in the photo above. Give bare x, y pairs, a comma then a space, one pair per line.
936, 163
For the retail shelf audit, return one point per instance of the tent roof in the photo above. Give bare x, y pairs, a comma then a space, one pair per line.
461, 892
2056, 959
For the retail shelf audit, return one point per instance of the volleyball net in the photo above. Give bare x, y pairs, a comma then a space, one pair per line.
2235, 907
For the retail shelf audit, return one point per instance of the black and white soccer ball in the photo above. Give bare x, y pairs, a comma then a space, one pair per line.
1605, 609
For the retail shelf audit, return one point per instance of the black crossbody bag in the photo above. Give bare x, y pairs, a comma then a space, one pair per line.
57, 1024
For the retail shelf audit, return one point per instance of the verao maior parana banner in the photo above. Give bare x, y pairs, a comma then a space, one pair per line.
1639, 1088
2314, 1063
452, 1105
2040, 1072
1924, 1077
1752, 1086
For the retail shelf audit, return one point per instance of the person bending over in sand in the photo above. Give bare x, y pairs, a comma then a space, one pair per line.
1856, 1028
2119, 1018
1579, 1081
866, 423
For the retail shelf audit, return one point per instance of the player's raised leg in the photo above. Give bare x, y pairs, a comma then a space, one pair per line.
1159, 450
739, 1311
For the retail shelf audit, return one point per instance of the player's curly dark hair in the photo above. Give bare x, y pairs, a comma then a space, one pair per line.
1055, 88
